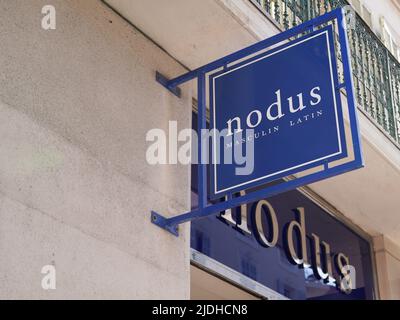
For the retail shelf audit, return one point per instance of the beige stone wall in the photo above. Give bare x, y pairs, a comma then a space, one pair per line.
75, 189
387, 255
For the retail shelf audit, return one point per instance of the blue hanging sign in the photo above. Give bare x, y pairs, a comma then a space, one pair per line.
290, 98
280, 97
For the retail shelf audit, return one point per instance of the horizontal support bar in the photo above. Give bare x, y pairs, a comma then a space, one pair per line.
160, 221
255, 47
171, 224
164, 82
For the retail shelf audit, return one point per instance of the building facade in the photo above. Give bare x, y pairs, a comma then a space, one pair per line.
78, 97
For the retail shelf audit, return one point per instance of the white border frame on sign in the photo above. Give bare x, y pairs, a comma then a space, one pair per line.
325, 32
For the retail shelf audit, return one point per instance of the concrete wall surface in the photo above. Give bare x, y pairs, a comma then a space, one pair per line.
75, 188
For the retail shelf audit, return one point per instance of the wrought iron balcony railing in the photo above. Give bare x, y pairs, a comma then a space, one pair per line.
376, 71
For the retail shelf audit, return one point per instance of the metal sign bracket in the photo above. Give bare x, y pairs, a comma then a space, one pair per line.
204, 208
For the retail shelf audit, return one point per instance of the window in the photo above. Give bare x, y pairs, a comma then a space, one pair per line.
357, 6
248, 268
362, 11
367, 16
388, 39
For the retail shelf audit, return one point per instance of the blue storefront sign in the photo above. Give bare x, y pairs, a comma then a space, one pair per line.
232, 239
280, 99
289, 97
287, 243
